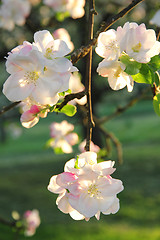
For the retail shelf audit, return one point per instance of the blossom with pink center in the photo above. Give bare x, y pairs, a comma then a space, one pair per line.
117, 78
138, 42
31, 222
13, 12
156, 19
31, 117
86, 188
62, 33
93, 147
62, 136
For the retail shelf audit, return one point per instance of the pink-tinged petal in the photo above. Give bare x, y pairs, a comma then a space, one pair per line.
65, 77
106, 67
69, 166
105, 203
66, 147
114, 208
109, 186
155, 50
97, 215
76, 215
74, 188
35, 109
63, 204
16, 88
42, 39
65, 178
54, 187
29, 124
72, 138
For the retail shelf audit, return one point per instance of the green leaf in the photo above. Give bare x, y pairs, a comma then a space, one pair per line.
145, 75
156, 104
76, 163
64, 93
58, 150
155, 63
132, 67
157, 78
69, 110
60, 16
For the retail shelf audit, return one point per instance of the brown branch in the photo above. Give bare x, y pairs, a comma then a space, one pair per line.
120, 110
9, 107
114, 140
90, 122
83, 51
158, 33
7, 223
70, 97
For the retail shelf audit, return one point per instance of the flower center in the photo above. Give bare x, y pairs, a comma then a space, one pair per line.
112, 45
137, 47
49, 52
118, 72
93, 190
31, 77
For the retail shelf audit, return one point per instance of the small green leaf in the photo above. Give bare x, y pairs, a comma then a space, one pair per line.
76, 163
155, 63
145, 75
58, 150
60, 16
132, 67
69, 110
156, 104
157, 78
64, 93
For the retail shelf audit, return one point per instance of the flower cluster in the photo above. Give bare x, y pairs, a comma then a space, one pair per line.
62, 137
13, 12
75, 8
31, 222
132, 41
39, 71
86, 188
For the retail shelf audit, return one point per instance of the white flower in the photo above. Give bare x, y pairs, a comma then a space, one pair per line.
62, 136
138, 42
117, 78
31, 222
13, 12
108, 46
156, 19
39, 71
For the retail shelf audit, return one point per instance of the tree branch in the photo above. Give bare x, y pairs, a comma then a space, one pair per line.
83, 51
90, 122
9, 107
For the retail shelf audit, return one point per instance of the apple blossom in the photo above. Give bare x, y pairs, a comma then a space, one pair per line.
62, 136
39, 71
74, 7
117, 78
62, 33
31, 222
13, 12
156, 19
138, 42
86, 188
31, 117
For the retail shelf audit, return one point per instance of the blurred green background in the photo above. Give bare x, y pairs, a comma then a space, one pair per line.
26, 165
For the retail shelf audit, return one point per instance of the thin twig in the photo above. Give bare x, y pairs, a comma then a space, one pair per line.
83, 51
90, 122
70, 97
9, 107
7, 223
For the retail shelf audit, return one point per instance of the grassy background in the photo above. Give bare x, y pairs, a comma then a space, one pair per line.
26, 167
